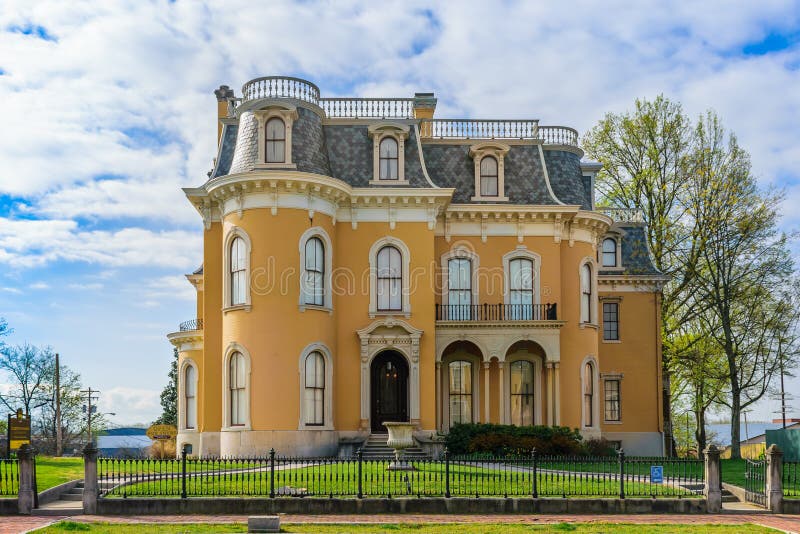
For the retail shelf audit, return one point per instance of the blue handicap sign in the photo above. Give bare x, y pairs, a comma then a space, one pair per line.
656, 474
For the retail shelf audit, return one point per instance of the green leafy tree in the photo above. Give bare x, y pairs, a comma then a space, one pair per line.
169, 395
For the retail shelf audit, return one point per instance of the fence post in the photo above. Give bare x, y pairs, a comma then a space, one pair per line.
90, 479
360, 455
621, 456
446, 473
535, 490
183, 469
774, 485
272, 473
712, 490
25, 471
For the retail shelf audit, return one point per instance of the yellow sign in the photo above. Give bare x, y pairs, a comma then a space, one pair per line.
19, 431
162, 432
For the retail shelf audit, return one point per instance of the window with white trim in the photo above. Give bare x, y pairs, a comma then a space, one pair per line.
460, 391
488, 158
275, 150
388, 140
522, 411
190, 397
520, 291
314, 272
238, 272
489, 177
609, 252
612, 399
588, 394
459, 290
237, 389
275, 136
389, 279
389, 159
586, 293
314, 401
611, 321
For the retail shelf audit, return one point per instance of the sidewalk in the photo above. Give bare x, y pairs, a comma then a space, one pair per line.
786, 523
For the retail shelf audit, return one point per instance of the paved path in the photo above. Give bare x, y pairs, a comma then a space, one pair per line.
786, 523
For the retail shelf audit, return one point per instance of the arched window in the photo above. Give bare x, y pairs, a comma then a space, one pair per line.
314, 402
237, 383
520, 291
586, 293
459, 291
588, 394
460, 374
276, 141
389, 279
489, 176
521, 393
238, 269
609, 252
388, 159
314, 272
190, 397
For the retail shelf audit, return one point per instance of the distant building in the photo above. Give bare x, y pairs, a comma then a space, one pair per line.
124, 442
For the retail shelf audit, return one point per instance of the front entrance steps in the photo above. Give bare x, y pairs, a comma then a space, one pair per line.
69, 503
375, 448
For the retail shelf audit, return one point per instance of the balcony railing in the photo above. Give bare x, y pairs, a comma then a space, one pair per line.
558, 135
497, 312
188, 326
499, 129
623, 214
368, 108
280, 87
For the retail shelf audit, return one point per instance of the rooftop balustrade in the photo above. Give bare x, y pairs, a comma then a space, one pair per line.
368, 108
624, 215
189, 326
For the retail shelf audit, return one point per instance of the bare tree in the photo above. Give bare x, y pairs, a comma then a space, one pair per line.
29, 368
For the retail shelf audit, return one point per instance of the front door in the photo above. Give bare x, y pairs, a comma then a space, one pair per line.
389, 379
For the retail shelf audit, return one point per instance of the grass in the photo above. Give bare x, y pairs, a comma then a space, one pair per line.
419, 528
52, 471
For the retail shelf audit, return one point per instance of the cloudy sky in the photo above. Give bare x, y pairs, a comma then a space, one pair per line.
108, 110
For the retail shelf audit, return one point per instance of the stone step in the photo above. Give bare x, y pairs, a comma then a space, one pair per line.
75, 491
72, 497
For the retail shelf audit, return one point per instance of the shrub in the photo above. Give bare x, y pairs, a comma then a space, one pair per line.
505, 440
599, 447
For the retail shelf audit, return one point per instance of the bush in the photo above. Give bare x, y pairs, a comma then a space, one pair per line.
503, 440
599, 447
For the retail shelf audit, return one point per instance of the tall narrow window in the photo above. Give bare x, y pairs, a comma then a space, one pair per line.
521, 393
314, 402
390, 279
276, 141
237, 385
489, 177
460, 375
612, 399
459, 291
588, 395
611, 321
520, 279
190, 397
388, 159
314, 272
586, 293
609, 252
238, 269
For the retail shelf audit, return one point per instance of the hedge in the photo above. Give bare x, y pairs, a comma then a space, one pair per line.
502, 440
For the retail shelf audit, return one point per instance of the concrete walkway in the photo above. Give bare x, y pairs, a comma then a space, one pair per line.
785, 523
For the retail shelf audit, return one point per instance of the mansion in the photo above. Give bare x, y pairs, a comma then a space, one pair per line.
365, 261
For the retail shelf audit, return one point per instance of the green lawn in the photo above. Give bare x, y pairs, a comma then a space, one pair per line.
419, 528
733, 472
52, 471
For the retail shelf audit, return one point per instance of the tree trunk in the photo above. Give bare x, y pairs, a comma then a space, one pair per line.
700, 431
669, 438
736, 415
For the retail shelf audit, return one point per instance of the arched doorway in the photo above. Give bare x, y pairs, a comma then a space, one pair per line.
389, 379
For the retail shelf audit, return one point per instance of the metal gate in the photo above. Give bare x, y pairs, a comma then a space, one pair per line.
755, 482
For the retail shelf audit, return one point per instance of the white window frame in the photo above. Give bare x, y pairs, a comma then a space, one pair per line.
522, 252
618, 242
327, 417
595, 426
327, 299
226, 388
616, 377
460, 253
227, 300
538, 390
378, 132
405, 259
182, 408
288, 114
593, 321
603, 302
497, 151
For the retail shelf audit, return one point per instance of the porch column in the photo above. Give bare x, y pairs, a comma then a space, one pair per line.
502, 390
556, 395
438, 396
548, 380
486, 392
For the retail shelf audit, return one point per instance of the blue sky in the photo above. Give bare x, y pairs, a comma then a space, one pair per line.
108, 111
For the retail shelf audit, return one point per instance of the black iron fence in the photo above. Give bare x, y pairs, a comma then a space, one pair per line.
451, 476
188, 326
497, 312
755, 481
9, 477
791, 480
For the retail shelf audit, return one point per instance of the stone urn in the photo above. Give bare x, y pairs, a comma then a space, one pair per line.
400, 439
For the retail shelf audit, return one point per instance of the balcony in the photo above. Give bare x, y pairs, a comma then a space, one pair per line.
496, 313
498, 129
191, 326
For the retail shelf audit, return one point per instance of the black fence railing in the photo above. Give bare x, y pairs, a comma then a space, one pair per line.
791, 480
497, 312
9, 476
188, 326
356, 477
755, 481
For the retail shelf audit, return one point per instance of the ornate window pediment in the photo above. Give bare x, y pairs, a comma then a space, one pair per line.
388, 153
489, 171
275, 136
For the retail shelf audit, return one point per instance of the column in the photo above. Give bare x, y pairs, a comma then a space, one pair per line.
438, 390
548, 386
556, 395
25, 492
90, 486
502, 392
712, 491
486, 392
774, 486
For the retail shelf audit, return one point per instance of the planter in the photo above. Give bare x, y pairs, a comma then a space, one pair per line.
400, 439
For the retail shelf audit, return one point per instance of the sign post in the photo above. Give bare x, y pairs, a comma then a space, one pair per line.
162, 434
19, 431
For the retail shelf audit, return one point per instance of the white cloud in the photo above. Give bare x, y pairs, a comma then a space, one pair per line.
39, 285
129, 404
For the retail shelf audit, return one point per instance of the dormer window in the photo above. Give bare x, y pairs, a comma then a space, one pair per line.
489, 171
610, 253
276, 141
388, 141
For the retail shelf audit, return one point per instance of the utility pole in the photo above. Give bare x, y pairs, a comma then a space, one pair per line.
783, 391
59, 436
89, 408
